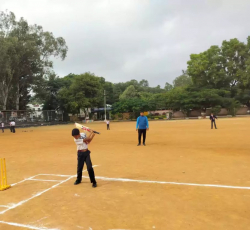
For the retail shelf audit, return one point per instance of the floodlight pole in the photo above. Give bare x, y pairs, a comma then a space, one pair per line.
104, 105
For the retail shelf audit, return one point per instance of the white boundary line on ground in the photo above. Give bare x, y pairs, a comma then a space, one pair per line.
36, 195
44, 180
172, 183
56, 174
27, 226
24, 180
39, 193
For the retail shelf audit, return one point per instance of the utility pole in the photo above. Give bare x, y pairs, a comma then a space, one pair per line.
104, 105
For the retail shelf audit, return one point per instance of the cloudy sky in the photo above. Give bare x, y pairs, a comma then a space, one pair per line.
135, 39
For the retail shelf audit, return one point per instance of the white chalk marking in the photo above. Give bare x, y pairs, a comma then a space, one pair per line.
27, 226
165, 182
54, 175
38, 194
44, 180
24, 180
5, 206
39, 220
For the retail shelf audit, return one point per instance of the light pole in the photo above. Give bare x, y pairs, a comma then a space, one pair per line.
104, 105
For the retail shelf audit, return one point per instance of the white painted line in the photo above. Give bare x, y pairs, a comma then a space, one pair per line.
38, 194
27, 226
54, 175
24, 180
5, 206
165, 182
44, 180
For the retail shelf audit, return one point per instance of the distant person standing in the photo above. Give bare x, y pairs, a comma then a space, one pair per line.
2, 126
13, 126
142, 127
107, 122
212, 118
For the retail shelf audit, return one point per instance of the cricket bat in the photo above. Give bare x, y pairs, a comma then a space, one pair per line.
79, 126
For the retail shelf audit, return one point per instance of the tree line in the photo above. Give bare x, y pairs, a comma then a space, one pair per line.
216, 78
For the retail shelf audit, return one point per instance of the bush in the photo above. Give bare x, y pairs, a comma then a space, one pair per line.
119, 115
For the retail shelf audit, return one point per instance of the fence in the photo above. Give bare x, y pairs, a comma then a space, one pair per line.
29, 117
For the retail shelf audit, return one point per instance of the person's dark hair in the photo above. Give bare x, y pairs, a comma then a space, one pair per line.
75, 132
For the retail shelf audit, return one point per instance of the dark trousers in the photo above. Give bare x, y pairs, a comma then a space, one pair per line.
108, 128
2, 130
141, 132
213, 122
81, 158
12, 129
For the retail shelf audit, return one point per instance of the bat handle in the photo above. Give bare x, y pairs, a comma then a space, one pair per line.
96, 132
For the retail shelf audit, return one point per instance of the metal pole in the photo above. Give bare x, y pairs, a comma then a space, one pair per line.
104, 105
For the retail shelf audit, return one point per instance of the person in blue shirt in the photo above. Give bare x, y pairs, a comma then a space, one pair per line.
142, 127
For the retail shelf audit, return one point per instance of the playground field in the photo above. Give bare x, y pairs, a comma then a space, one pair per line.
188, 177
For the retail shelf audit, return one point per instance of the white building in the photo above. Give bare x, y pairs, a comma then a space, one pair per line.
36, 110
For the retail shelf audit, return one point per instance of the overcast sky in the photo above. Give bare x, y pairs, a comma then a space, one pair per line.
135, 39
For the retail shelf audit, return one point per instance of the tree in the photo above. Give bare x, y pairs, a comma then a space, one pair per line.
130, 92
182, 80
8, 58
84, 92
144, 83
29, 59
168, 86
224, 67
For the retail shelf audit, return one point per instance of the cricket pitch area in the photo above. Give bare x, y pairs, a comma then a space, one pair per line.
188, 177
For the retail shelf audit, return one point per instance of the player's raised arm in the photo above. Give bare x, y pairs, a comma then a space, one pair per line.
89, 138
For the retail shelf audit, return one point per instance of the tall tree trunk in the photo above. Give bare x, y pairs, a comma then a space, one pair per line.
17, 96
5, 93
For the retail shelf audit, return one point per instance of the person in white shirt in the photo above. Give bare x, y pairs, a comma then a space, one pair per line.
12, 126
2, 125
83, 155
107, 122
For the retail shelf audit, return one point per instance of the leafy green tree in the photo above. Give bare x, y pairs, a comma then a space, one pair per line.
32, 49
130, 92
144, 83
168, 86
84, 92
182, 80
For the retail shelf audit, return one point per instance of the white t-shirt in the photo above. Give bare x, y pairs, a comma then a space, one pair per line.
107, 122
2, 124
13, 123
80, 145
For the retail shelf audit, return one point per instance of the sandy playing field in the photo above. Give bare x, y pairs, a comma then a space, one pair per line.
188, 177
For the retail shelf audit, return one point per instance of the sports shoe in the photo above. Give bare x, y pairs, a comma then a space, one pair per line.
144, 144
94, 185
139, 145
77, 182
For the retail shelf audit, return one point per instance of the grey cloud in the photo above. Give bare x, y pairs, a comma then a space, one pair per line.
135, 39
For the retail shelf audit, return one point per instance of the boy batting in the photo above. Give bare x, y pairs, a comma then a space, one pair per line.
83, 155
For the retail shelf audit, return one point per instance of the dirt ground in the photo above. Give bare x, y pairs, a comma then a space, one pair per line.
187, 152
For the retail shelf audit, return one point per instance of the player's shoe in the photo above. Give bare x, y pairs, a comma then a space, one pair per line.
144, 144
94, 185
139, 145
77, 182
